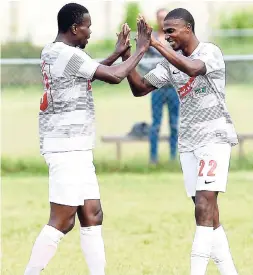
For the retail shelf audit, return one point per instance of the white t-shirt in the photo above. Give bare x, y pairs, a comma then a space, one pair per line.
67, 115
203, 114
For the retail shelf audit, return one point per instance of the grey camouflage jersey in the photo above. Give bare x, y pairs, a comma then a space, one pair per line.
67, 115
204, 117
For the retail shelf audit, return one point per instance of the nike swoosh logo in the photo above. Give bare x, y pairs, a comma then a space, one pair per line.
207, 182
176, 72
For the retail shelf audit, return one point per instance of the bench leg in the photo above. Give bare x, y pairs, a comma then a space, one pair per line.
118, 151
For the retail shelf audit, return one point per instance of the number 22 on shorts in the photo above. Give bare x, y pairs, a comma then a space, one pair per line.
212, 167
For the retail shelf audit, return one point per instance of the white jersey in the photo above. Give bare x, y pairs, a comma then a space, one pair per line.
204, 117
67, 115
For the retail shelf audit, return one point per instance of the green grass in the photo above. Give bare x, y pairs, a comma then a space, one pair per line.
148, 225
116, 111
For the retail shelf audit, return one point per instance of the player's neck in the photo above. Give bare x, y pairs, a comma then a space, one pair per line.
63, 38
191, 46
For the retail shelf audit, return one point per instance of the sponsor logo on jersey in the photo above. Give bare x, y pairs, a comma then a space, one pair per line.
187, 88
200, 91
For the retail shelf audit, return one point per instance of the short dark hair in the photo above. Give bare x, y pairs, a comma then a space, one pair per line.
69, 14
182, 14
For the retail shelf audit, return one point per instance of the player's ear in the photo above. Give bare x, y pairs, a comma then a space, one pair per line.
189, 26
74, 28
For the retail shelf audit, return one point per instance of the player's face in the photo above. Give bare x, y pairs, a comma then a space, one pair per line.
83, 31
176, 33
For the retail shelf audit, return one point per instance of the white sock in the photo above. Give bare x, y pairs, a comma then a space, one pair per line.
43, 250
93, 249
221, 253
201, 250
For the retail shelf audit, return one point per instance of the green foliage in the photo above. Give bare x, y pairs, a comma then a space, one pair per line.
241, 19
36, 166
132, 12
235, 45
98, 49
23, 49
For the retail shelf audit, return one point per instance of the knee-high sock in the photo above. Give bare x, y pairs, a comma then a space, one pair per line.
201, 250
93, 249
43, 250
221, 253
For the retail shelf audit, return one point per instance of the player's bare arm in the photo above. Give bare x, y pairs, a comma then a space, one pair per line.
184, 64
138, 84
122, 45
115, 74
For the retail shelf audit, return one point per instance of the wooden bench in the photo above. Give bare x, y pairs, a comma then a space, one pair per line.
118, 140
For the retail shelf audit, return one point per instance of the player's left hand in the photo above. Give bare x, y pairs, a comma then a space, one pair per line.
123, 43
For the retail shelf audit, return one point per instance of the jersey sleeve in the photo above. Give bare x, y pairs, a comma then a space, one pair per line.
88, 66
160, 75
212, 56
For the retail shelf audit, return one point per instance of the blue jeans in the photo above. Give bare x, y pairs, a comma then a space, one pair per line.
159, 97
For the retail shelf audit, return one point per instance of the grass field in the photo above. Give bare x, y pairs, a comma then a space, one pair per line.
116, 111
148, 226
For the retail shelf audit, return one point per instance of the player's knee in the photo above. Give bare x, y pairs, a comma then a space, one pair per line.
95, 218
64, 225
203, 212
98, 217
68, 225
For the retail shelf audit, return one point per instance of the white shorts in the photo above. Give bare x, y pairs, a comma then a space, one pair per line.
72, 177
206, 168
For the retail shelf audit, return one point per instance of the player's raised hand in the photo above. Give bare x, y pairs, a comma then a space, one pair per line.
123, 42
153, 40
143, 34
